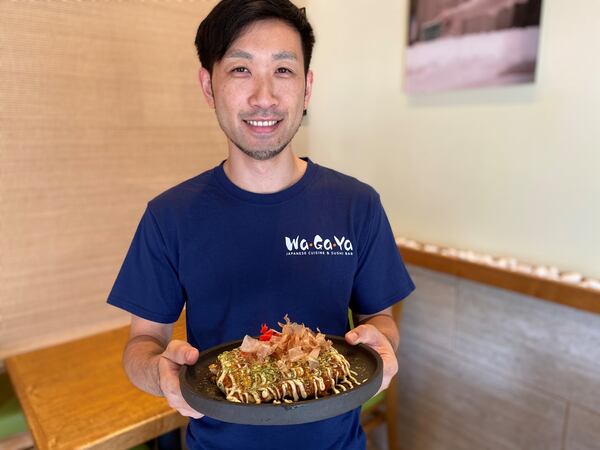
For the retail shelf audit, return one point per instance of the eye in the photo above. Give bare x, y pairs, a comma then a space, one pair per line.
240, 70
284, 70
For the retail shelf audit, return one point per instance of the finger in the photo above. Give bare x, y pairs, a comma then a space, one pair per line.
185, 410
176, 401
180, 352
190, 413
169, 378
169, 385
181, 405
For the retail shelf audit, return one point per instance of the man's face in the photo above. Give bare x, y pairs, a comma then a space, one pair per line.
259, 89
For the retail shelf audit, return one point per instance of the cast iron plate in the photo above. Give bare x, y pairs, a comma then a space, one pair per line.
204, 396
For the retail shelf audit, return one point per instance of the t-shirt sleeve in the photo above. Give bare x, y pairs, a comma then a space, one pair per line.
148, 284
381, 278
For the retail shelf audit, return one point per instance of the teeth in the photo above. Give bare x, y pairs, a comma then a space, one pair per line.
262, 123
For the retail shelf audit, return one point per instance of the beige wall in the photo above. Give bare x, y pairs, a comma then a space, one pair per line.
100, 111
509, 171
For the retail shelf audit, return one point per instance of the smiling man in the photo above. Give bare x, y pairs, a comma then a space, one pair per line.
259, 91
263, 234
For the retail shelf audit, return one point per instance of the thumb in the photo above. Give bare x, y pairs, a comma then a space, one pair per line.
362, 334
191, 355
352, 337
180, 352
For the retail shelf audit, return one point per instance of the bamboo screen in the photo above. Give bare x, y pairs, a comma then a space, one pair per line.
100, 110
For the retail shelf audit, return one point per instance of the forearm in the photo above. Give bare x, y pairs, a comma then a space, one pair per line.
140, 361
386, 325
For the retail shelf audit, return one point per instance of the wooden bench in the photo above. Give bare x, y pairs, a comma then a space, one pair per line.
76, 395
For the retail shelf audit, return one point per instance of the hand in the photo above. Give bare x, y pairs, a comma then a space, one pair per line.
170, 361
369, 335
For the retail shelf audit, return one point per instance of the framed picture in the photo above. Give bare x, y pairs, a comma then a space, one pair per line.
458, 44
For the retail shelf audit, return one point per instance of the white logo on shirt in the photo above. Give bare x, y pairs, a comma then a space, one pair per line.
318, 246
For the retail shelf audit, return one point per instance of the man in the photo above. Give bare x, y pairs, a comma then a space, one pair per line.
262, 235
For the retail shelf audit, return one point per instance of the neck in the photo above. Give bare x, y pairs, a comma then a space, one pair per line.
264, 177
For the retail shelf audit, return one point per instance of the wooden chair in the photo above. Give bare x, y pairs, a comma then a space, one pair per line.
383, 408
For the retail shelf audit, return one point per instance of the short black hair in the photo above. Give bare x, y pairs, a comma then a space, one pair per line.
229, 18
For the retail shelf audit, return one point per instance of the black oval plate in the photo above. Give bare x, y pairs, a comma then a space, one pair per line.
204, 396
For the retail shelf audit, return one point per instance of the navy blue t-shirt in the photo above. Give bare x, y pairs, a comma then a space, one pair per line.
237, 259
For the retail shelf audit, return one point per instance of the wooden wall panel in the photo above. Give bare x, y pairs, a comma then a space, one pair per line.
446, 403
431, 317
100, 110
505, 372
583, 430
552, 347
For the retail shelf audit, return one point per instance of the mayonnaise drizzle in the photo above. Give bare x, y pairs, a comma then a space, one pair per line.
261, 387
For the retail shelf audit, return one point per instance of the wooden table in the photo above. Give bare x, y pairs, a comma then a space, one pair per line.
76, 395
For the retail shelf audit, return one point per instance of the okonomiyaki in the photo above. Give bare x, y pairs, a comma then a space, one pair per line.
282, 366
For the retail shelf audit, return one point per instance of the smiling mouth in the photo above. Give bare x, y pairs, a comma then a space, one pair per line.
262, 123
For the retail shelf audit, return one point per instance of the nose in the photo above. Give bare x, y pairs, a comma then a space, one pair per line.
263, 94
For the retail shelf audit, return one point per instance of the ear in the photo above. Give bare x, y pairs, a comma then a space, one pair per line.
308, 88
206, 85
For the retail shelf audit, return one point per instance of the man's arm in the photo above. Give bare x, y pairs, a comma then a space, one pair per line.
147, 340
152, 361
379, 331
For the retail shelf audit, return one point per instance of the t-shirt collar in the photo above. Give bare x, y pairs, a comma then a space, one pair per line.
273, 198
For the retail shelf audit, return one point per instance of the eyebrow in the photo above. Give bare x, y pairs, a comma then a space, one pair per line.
284, 55
237, 53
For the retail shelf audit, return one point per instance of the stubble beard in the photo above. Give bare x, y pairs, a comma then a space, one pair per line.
262, 155
265, 155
